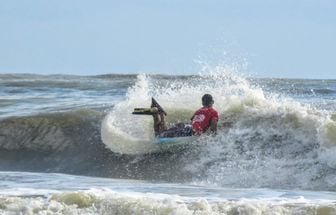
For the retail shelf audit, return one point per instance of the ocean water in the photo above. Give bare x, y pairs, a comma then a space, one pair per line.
70, 145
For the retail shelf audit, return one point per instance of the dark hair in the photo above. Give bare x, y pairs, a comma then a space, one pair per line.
207, 100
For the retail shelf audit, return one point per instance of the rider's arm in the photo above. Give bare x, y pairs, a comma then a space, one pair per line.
213, 126
213, 122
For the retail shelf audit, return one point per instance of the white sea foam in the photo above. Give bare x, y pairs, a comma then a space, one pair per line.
45, 193
109, 202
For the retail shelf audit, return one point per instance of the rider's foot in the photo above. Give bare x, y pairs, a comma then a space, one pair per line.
154, 110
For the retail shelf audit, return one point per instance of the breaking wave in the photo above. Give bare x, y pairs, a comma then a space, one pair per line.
108, 202
275, 141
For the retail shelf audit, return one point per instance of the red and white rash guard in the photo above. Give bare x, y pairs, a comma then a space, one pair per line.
202, 118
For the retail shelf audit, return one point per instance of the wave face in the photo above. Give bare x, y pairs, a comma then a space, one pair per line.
282, 134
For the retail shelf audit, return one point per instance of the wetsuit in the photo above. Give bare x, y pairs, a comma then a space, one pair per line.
200, 123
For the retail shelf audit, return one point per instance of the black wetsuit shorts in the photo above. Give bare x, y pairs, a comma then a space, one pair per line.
179, 130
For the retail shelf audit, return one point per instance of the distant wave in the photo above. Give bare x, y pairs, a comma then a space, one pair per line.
324, 91
66, 81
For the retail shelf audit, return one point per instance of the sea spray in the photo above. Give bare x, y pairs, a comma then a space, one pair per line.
274, 141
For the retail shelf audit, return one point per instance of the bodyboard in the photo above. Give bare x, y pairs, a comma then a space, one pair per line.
174, 140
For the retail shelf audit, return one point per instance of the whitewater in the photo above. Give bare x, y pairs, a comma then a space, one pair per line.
70, 145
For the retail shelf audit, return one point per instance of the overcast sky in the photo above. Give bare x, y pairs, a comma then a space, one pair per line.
287, 38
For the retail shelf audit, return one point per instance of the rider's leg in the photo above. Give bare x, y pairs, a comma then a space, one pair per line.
159, 121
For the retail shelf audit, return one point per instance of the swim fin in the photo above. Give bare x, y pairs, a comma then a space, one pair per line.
148, 111
156, 104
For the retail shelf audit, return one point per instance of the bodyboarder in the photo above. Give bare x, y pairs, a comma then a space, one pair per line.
204, 120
